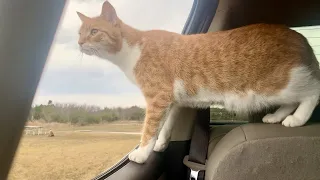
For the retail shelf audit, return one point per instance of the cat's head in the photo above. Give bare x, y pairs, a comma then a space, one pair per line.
100, 35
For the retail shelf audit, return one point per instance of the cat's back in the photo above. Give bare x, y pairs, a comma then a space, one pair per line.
257, 57
253, 43
255, 39
257, 50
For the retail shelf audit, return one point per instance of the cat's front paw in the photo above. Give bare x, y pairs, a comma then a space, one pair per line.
271, 118
161, 145
292, 121
139, 156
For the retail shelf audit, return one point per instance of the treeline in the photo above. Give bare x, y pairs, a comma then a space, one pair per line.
218, 114
85, 115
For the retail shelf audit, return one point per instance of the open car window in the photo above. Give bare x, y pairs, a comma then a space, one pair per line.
312, 33
218, 114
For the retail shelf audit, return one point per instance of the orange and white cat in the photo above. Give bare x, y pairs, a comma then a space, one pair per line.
245, 69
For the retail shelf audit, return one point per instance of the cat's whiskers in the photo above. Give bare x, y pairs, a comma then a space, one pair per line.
96, 52
81, 56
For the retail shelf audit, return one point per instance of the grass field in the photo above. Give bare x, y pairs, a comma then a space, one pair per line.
73, 155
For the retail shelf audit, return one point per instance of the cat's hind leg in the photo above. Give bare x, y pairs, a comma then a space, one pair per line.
155, 112
303, 112
280, 114
165, 132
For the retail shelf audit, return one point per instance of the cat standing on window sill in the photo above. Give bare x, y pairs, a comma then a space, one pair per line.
245, 69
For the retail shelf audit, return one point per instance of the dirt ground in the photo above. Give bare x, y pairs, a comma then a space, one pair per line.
73, 155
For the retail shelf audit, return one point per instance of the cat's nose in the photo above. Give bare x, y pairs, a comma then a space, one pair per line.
80, 43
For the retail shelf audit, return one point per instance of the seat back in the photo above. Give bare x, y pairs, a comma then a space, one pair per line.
266, 151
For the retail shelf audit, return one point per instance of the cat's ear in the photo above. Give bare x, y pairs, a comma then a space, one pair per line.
109, 13
82, 17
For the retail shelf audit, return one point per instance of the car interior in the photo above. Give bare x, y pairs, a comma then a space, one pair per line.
199, 148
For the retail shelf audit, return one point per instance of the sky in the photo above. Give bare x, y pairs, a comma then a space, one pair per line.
72, 77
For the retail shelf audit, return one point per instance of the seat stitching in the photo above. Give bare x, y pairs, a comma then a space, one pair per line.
245, 136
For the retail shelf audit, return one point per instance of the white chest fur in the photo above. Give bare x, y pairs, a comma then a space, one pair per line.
126, 59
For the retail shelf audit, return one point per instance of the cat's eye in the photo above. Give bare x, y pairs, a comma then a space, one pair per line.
94, 31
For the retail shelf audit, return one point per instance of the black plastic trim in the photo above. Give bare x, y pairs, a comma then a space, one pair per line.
201, 17
125, 160
227, 122
27, 30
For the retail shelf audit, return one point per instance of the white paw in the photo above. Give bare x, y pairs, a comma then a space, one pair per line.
139, 156
161, 145
271, 118
292, 121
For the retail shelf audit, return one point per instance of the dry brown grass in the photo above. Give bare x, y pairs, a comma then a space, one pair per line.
72, 155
